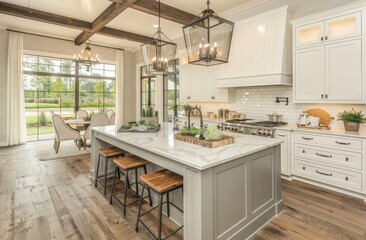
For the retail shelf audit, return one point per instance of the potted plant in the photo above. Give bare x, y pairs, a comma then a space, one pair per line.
351, 119
187, 108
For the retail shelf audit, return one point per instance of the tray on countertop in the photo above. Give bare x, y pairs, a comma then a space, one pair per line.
226, 140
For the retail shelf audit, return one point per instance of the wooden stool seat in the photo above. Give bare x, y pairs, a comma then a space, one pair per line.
111, 152
162, 181
127, 163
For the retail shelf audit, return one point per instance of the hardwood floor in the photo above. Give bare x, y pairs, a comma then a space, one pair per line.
56, 200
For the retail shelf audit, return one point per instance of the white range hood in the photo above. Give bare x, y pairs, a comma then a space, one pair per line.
261, 51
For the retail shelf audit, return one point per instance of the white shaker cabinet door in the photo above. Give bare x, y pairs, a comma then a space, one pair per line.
285, 152
343, 71
309, 75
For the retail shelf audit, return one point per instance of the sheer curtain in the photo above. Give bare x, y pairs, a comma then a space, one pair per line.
15, 111
119, 86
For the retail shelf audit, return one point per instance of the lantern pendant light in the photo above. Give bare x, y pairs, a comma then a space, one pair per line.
86, 57
158, 53
208, 38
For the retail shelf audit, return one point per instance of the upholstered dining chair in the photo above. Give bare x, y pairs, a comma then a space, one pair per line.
98, 120
63, 132
80, 114
109, 113
112, 119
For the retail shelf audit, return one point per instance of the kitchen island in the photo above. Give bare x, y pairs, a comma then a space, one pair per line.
229, 192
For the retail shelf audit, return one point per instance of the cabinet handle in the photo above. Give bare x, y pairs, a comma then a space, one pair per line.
212, 97
326, 95
346, 178
326, 174
347, 159
281, 135
303, 168
322, 38
322, 96
322, 155
305, 138
303, 151
326, 37
343, 143
188, 97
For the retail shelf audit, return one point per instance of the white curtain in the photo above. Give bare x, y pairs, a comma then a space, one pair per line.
15, 111
119, 86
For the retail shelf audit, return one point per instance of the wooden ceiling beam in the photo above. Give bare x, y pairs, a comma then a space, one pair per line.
33, 14
167, 12
46, 17
103, 19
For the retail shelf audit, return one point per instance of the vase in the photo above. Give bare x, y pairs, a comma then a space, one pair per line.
352, 126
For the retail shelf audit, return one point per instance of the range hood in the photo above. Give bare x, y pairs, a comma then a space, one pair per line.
261, 51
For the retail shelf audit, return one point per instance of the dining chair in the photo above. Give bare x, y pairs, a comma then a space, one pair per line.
109, 113
112, 119
98, 120
63, 132
80, 114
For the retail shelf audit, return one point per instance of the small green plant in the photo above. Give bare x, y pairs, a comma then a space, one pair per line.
187, 131
212, 134
149, 112
42, 119
187, 107
351, 116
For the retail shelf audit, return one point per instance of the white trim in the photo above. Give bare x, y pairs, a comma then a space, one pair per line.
3, 144
284, 8
242, 7
138, 90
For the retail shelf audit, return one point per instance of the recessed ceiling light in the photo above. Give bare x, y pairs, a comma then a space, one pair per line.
155, 25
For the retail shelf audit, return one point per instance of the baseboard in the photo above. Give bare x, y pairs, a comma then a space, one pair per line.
3, 144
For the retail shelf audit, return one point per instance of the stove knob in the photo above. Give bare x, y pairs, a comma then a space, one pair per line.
241, 130
260, 132
254, 131
269, 133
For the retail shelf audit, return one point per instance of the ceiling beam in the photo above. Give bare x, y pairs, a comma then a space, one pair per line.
167, 12
46, 17
103, 19
33, 14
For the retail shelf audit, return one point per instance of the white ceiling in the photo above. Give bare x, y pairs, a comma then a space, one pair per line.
130, 20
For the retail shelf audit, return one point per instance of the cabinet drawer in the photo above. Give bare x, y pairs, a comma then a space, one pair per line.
321, 140
339, 178
346, 159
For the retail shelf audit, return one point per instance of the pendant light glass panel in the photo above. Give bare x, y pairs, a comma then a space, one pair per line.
208, 39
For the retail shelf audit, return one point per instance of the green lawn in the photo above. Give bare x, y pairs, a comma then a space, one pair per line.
42, 130
41, 105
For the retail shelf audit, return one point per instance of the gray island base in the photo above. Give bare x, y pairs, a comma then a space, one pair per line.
229, 192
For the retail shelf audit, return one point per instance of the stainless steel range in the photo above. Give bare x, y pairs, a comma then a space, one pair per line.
250, 126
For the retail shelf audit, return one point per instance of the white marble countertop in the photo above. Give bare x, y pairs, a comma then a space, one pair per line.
332, 131
201, 158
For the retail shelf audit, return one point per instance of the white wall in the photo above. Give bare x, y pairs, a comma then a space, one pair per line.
4, 38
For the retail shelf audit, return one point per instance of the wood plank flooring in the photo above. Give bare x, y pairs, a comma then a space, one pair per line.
56, 200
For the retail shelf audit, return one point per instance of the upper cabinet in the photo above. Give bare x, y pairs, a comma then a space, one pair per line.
329, 57
261, 51
199, 84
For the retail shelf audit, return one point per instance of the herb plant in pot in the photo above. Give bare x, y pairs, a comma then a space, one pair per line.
352, 119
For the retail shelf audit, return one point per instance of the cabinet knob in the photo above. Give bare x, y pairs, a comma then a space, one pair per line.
303, 151
188, 97
322, 39
303, 168
347, 159
212, 97
322, 96
326, 95
346, 178
326, 37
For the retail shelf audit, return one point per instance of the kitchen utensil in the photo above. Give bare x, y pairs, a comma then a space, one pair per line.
222, 112
324, 117
274, 117
231, 115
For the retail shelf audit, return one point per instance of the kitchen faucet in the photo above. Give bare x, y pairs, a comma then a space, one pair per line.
201, 120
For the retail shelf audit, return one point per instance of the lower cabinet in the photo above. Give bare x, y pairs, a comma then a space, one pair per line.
331, 160
286, 161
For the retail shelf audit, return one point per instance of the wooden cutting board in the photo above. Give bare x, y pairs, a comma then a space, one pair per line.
324, 116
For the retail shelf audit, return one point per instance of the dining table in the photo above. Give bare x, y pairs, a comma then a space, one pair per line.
78, 122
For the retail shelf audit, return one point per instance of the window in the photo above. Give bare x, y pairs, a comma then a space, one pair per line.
63, 86
148, 94
171, 95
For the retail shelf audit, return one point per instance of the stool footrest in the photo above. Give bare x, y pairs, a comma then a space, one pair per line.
129, 204
154, 234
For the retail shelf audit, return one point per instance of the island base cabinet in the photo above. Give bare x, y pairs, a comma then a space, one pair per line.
245, 194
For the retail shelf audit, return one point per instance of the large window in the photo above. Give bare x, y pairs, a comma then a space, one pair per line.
148, 94
63, 86
171, 95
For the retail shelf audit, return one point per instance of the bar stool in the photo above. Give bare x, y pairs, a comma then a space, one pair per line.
127, 164
106, 153
162, 182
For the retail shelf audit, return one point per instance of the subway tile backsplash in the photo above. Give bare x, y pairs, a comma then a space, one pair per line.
257, 102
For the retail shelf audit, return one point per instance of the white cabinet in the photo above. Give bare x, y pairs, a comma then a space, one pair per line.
345, 26
330, 73
199, 84
286, 161
331, 160
328, 60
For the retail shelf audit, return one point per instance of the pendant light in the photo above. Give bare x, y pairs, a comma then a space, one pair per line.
208, 38
86, 57
158, 53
